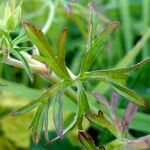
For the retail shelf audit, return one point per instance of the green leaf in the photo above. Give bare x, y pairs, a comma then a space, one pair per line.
127, 59
61, 49
24, 61
20, 39
46, 120
37, 123
58, 114
124, 91
66, 130
116, 78
96, 46
86, 141
121, 89
93, 22
101, 121
49, 93
38, 38
129, 94
61, 45
26, 108
120, 70
83, 106
55, 89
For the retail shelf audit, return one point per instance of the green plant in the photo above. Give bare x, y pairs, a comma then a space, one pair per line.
50, 64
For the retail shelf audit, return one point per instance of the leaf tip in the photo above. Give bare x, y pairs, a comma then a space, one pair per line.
25, 23
36, 138
65, 29
116, 24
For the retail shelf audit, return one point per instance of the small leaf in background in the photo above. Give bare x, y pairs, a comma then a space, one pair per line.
128, 116
14, 20
101, 121
83, 106
12, 16
86, 141
58, 114
96, 46
38, 38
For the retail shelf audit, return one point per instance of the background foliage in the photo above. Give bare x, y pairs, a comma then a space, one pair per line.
127, 45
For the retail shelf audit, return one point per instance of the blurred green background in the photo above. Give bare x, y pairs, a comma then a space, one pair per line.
128, 45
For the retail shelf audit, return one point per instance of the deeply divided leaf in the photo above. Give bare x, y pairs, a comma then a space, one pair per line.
96, 47
38, 38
